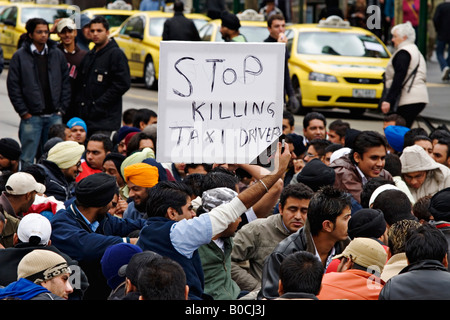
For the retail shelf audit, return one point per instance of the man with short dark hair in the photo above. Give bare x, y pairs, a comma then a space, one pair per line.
257, 239
336, 131
441, 152
104, 78
276, 25
314, 127
300, 276
426, 277
39, 87
324, 234
97, 147
366, 161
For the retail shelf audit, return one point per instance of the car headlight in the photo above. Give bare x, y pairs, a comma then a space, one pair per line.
316, 76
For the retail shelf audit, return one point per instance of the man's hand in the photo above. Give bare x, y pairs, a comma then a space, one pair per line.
281, 160
385, 107
282, 38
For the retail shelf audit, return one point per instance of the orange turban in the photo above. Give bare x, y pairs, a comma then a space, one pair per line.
141, 174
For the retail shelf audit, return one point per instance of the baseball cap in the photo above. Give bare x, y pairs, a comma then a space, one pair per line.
366, 252
66, 23
21, 183
34, 225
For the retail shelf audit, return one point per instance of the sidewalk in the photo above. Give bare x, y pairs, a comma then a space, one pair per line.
439, 93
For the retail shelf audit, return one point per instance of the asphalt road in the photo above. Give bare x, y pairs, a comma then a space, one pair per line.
437, 112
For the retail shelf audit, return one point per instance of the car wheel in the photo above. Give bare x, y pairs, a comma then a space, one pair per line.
299, 108
357, 112
149, 74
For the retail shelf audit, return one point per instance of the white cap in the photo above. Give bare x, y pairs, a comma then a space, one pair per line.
379, 190
34, 224
65, 23
20, 183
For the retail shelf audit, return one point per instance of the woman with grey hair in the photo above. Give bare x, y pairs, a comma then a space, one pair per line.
405, 76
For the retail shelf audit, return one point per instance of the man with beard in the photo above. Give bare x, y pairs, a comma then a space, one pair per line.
10, 152
85, 229
61, 168
139, 177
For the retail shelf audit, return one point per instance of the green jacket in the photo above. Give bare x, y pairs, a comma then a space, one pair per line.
217, 270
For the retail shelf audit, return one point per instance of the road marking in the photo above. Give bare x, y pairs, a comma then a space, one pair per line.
141, 97
437, 85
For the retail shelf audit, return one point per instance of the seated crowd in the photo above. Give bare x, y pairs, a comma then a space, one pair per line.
341, 216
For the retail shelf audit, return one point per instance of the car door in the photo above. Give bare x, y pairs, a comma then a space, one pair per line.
8, 36
130, 34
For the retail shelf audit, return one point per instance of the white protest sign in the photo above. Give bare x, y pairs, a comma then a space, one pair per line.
219, 102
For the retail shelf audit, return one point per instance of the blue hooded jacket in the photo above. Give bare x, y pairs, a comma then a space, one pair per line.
22, 289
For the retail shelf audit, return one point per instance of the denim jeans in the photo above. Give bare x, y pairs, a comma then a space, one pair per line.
440, 52
33, 134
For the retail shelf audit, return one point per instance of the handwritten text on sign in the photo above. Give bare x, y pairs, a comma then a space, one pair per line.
219, 102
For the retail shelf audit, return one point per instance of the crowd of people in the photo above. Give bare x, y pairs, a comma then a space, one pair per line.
87, 213
341, 216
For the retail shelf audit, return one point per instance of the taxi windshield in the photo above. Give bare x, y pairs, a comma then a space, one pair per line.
340, 44
48, 14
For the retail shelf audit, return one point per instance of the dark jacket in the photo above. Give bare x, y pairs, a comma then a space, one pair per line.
55, 183
72, 235
180, 28
10, 258
348, 177
423, 280
23, 86
104, 78
298, 241
73, 62
156, 237
441, 20
288, 88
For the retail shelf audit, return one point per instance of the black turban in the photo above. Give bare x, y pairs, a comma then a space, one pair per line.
440, 205
316, 174
367, 223
96, 190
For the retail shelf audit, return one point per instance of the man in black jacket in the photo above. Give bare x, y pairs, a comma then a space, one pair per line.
426, 277
324, 235
179, 27
276, 24
38, 87
441, 20
104, 77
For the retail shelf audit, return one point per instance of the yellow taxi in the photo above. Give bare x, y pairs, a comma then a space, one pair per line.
139, 37
14, 16
253, 27
335, 65
115, 17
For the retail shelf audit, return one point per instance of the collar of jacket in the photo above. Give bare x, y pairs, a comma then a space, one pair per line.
425, 265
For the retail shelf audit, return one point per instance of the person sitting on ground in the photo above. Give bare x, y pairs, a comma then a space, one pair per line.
426, 277
358, 276
300, 276
366, 161
396, 242
324, 234
422, 174
41, 275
